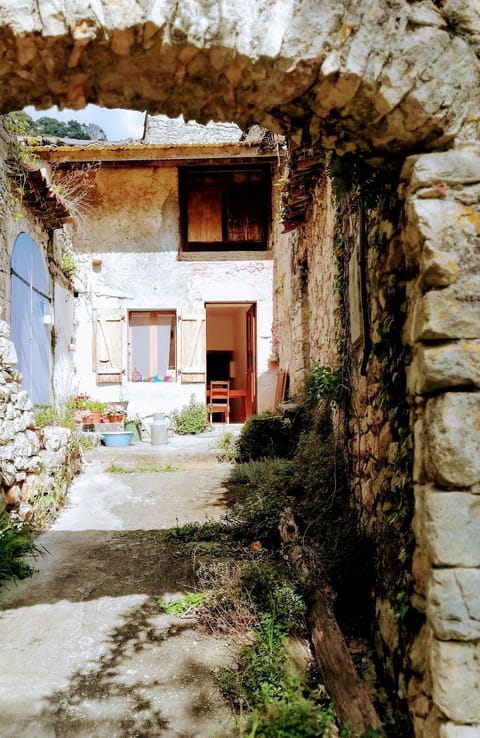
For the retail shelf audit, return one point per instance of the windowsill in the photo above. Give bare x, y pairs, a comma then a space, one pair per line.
224, 256
172, 380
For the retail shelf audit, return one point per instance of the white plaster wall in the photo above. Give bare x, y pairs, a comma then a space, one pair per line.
127, 258
64, 373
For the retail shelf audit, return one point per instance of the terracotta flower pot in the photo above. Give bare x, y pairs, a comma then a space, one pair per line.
113, 418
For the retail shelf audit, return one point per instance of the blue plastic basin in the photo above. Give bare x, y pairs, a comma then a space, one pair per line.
117, 438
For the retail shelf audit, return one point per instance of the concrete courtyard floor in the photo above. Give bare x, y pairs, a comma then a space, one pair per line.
85, 650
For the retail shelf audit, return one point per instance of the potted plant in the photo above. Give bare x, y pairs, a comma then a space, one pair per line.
78, 406
113, 413
94, 410
134, 424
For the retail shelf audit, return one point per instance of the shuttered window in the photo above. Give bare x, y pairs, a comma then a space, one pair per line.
108, 347
225, 209
193, 348
152, 345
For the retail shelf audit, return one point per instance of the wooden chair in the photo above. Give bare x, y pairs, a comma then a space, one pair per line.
219, 401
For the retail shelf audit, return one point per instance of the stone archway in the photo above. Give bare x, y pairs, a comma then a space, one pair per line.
382, 76
388, 78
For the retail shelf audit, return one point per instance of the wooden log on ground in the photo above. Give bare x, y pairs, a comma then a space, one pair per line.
352, 702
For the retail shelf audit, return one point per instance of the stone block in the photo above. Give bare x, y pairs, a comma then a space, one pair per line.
8, 472
8, 355
447, 526
451, 730
22, 401
448, 365
56, 437
453, 603
449, 313
420, 570
452, 439
438, 268
456, 167
13, 495
455, 670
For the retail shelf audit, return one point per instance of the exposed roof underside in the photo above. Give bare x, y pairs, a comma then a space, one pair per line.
40, 199
304, 168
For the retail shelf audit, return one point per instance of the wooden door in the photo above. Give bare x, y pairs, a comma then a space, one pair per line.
30, 304
251, 404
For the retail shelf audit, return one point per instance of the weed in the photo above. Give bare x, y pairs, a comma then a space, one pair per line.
321, 386
195, 532
270, 588
16, 541
261, 666
292, 715
267, 491
191, 419
115, 468
265, 436
227, 449
68, 265
47, 415
86, 443
188, 604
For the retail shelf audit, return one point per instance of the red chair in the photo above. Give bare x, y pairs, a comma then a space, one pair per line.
219, 401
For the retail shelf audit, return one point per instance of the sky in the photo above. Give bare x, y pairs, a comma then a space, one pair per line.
118, 124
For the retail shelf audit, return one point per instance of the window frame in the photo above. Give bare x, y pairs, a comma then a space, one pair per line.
226, 246
153, 313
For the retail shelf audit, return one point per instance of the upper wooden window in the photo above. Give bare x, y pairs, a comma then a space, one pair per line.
225, 209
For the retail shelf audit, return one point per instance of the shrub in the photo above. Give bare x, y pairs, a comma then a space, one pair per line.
271, 588
293, 715
48, 415
227, 449
191, 419
16, 541
267, 492
265, 436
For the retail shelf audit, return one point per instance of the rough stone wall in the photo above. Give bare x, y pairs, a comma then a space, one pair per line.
322, 291
326, 69
307, 327
33, 462
441, 240
417, 445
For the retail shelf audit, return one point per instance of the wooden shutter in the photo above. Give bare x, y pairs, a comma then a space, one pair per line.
193, 348
108, 347
204, 215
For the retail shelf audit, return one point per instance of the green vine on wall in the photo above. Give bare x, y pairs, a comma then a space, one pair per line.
20, 157
357, 186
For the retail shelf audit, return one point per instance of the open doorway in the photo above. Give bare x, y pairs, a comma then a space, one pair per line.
231, 353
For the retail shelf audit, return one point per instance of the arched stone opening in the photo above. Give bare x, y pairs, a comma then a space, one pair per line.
388, 79
385, 76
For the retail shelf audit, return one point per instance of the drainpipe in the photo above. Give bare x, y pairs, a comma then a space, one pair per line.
367, 340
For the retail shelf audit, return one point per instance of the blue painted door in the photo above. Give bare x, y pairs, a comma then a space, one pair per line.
30, 302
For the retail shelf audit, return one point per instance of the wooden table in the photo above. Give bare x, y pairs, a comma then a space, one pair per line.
237, 394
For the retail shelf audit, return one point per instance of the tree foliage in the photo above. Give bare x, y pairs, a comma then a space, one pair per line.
48, 126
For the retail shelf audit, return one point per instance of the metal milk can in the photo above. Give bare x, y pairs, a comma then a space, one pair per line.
159, 429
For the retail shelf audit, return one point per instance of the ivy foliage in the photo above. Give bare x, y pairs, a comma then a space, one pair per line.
351, 174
